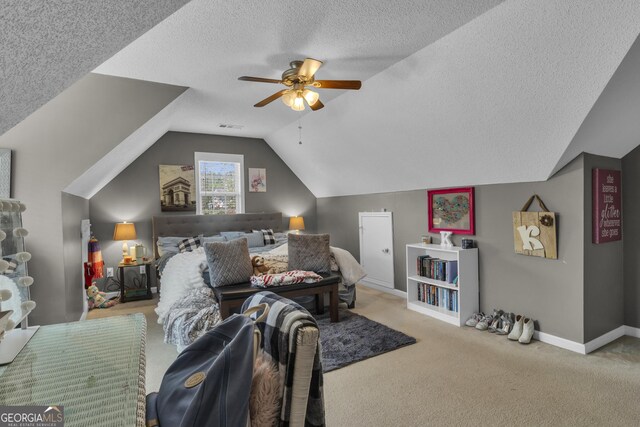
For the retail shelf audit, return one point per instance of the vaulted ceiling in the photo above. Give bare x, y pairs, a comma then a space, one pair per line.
454, 92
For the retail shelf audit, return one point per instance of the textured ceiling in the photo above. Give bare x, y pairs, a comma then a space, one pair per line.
454, 92
49, 45
498, 100
206, 45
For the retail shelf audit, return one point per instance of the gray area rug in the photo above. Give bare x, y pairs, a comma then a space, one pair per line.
355, 338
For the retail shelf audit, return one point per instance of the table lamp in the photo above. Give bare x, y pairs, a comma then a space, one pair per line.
125, 231
296, 223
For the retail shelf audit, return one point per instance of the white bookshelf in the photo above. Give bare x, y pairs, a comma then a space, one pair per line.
467, 291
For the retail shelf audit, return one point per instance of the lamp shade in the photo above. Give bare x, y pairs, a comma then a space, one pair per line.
296, 223
125, 231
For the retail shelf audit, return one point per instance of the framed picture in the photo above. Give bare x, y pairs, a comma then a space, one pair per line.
177, 188
451, 209
257, 180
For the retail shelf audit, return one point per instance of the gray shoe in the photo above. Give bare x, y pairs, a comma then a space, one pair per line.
497, 313
507, 324
496, 325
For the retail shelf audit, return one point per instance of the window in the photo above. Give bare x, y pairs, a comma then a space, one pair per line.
219, 183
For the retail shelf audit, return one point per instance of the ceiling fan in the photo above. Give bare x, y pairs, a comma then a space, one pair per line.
298, 78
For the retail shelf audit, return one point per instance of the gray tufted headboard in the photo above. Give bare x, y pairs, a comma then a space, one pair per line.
193, 225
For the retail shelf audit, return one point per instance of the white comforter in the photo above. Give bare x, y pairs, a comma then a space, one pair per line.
183, 273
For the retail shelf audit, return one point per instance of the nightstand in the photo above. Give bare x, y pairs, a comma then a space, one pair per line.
143, 291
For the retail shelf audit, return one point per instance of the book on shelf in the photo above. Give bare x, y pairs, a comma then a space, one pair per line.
438, 269
439, 297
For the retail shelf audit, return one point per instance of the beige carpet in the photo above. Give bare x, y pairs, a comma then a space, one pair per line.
459, 376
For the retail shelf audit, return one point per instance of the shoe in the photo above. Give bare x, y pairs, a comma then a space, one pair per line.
507, 324
483, 324
516, 331
495, 325
496, 319
474, 319
527, 331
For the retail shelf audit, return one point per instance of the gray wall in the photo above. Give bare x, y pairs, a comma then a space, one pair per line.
74, 210
603, 264
134, 195
631, 236
338, 216
550, 291
51, 148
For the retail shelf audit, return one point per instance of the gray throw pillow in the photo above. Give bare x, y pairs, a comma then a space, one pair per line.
229, 262
255, 239
309, 252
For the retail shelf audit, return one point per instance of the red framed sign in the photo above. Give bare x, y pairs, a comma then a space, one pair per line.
607, 206
451, 209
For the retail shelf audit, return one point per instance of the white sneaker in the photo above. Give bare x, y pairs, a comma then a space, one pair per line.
474, 319
517, 329
484, 323
527, 331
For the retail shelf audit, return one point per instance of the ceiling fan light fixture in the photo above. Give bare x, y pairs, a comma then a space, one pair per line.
298, 104
310, 96
289, 97
296, 79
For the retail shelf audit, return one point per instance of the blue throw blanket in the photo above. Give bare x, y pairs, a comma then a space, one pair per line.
284, 320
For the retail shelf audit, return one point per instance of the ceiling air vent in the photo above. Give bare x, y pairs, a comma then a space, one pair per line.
228, 126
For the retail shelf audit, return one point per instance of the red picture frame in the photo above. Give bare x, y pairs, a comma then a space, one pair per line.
451, 209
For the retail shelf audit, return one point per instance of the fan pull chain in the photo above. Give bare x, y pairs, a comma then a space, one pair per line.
299, 133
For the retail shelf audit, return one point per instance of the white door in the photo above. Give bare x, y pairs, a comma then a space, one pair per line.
376, 247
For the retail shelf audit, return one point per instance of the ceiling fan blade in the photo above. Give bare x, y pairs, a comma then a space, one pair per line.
317, 105
309, 68
258, 79
338, 84
271, 98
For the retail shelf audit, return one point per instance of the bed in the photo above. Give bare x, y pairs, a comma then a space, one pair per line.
188, 306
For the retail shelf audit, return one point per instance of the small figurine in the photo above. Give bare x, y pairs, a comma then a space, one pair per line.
445, 238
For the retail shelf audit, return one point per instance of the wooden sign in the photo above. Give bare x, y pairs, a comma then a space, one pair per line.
534, 233
607, 206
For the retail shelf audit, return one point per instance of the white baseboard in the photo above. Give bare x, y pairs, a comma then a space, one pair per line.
380, 288
592, 345
605, 339
560, 342
632, 332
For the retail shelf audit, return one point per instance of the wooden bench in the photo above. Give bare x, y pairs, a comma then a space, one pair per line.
230, 297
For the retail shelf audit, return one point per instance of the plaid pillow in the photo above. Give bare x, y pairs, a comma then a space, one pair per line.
190, 244
268, 237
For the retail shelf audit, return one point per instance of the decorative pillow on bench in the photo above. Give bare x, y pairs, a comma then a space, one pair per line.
229, 262
309, 252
